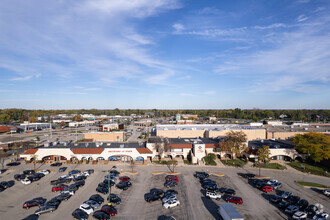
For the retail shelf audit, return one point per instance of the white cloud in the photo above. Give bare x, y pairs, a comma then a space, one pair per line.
302, 18
25, 78
178, 27
276, 25
187, 94
209, 92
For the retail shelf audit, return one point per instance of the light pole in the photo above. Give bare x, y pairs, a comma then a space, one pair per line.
109, 185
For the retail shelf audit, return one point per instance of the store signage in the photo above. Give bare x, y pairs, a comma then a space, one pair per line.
120, 151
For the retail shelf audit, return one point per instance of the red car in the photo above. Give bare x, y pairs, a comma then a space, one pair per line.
125, 178
109, 210
58, 188
267, 189
171, 177
234, 199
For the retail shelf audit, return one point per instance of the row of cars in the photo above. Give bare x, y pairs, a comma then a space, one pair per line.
107, 210
29, 176
6, 184
169, 198
212, 190
292, 205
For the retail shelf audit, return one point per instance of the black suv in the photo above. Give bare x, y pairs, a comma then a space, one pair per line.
123, 185
79, 214
157, 192
62, 169
201, 175
170, 183
111, 182
102, 190
19, 177
97, 198
293, 199
28, 172
114, 199
302, 204
79, 178
13, 164
56, 164
79, 183
151, 197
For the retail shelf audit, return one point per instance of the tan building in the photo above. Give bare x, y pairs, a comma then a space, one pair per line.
117, 136
207, 131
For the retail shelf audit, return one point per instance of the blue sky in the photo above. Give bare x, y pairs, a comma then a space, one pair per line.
165, 54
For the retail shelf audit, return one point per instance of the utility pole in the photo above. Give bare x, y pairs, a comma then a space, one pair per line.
76, 133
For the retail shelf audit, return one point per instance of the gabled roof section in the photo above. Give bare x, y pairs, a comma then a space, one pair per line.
30, 151
144, 150
87, 150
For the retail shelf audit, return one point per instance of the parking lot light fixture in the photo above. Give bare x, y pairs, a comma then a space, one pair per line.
109, 186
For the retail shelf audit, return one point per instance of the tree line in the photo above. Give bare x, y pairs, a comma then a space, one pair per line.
306, 115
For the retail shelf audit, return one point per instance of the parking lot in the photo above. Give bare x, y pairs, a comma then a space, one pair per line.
194, 205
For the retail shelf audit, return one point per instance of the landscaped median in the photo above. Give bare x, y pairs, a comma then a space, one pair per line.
235, 163
168, 173
310, 185
275, 166
312, 169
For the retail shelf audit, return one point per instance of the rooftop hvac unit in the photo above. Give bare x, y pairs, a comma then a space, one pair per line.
86, 144
65, 144
122, 146
75, 144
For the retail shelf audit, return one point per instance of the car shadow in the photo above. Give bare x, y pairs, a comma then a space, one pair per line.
203, 191
279, 192
32, 217
211, 206
317, 190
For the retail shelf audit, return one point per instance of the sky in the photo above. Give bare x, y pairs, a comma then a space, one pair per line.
165, 54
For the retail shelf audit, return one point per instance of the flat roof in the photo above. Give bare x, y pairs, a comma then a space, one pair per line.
185, 140
95, 145
273, 144
210, 127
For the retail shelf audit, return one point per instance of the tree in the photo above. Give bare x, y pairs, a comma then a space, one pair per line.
33, 119
62, 124
77, 118
263, 155
316, 145
161, 147
236, 142
171, 164
4, 118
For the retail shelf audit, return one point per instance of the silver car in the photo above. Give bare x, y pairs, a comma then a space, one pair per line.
45, 209
169, 198
92, 203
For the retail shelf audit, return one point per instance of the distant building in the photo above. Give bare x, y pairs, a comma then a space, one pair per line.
143, 123
117, 136
111, 127
82, 123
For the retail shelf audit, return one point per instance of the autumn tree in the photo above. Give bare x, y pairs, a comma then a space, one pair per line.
171, 164
33, 119
77, 118
263, 155
235, 141
3, 156
316, 145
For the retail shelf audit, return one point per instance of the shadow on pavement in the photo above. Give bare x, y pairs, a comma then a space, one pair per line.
211, 206
31, 217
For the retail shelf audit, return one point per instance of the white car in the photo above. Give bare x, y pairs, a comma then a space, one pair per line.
168, 198
272, 181
326, 192
86, 208
171, 204
213, 195
69, 192
321, 216
45, 172
26, 181
299, 215
67, 176
83, 174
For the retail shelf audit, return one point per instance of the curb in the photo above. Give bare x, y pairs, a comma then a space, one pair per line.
168, 173
217, 174
309, 187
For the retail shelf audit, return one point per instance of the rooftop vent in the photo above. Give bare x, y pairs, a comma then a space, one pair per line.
75, 144
86, 144
108, 144
122, 146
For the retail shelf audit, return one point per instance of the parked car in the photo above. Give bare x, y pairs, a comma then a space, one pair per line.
58, 188
170, 183
293, 199
291, 209
170, 197
272, 181
125, 178
206, 180
302, 204
64, 191
62, 169
103, 185
283, 205
63, 196
79, 178
92, 203
213, 195
4, 184
171, 203
114, 199
299, 215
60, 181
276, 185
311, 210
157, 192
26, 181
249, 175
13, 164
34, 177
107, 182
170, 191
97, 198
286, 195
102, 190
276, 199
326, 192
19, 177
79, 183
109, 209
148, 197
45, 172
80, 214
73, 172
101, 215
267, 189
321, 216
234, 199
210, 186
90, 171
34, 202
171, 177
123, 185
57, 164
86, 208
229, 191
40, 175
53, 202
71, 187
201, 174
28, 172
45, 209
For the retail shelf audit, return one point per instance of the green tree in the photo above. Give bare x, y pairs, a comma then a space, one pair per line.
316, 145
4, 118
236, 142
